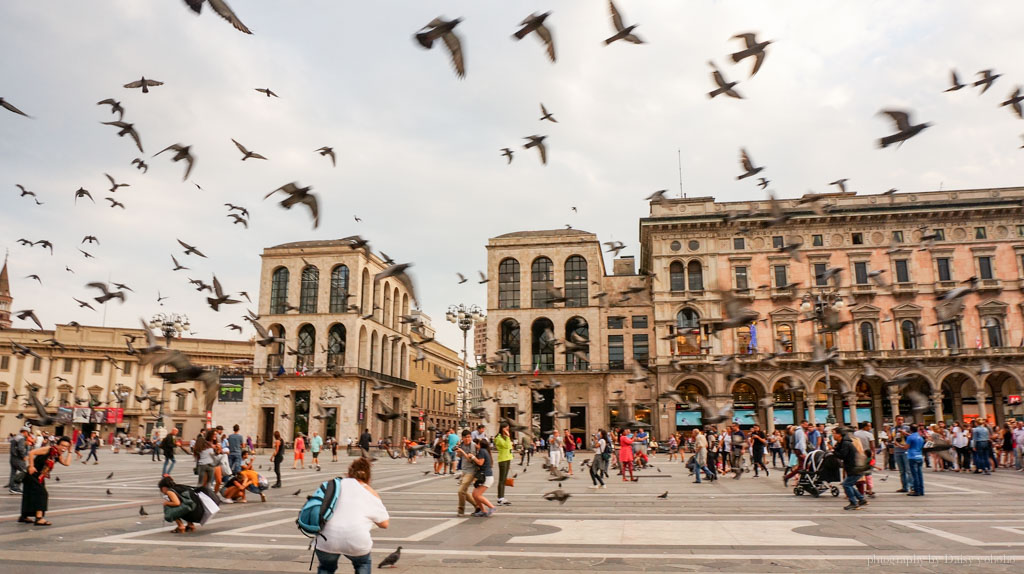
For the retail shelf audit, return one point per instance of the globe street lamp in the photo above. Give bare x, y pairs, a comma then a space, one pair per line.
816, 309
464, 317
170, 325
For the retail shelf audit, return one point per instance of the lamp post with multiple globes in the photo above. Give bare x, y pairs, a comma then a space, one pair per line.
815, 307
170, 325
465, 317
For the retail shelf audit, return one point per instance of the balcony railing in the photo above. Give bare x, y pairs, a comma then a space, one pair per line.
904, 288
570, 368
780, 293
990, 285
863, 289
341, 371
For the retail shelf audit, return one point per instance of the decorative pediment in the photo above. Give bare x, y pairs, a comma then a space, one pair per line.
907, 311
783, 314
865, 311
993, 307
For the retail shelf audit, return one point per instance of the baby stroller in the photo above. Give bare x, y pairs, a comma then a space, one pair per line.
820, 468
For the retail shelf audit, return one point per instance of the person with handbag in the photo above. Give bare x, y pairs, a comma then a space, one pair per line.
35, 498
483, 478
177, 506
503, 444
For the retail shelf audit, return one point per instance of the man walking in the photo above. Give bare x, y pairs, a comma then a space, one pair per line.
466, 450
915, 458
235, 441
315, 445
982, 444
739, 444
364, 443
867, 441
700, 448
94, 444
1018, 449
167, 445
899, 452
847, 452
800, 449
758, 442
19, 452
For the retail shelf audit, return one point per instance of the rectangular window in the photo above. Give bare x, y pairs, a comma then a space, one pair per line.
1020, 231
65, 399
126, 368
897, 236
179, 404
5, 362
940, 234
816, 241
819, 274
639, 321
739, 243
985, 267
615, 322
777, 242
860, 272
37, 364
97, 367
979, 233
616, 357
3, 398
508, 284
741, 279
857, 238
68, 363
902, 271
780, 276
641, 351
942, 264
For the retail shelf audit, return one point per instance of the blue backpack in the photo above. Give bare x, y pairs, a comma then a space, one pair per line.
319, 508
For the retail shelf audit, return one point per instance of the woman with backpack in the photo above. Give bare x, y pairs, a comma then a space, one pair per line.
348, 533
602, 454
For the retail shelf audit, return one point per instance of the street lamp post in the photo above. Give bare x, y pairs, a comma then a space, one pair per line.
464, 317
816, 308
170, 325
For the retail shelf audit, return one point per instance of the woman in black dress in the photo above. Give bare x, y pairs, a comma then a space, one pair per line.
40, 465
277, 457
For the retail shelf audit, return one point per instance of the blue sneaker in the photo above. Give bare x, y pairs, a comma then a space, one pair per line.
478, 514
490, 511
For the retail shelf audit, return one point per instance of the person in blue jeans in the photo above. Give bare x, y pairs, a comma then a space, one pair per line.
235, 442
899, 452
348, 533
981, 442
915, 459
853, 463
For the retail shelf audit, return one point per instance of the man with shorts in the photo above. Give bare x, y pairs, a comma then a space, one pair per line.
315, 445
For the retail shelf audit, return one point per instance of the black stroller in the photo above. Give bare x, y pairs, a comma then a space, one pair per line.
820, 468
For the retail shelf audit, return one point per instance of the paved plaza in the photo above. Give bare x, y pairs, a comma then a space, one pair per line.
746, 525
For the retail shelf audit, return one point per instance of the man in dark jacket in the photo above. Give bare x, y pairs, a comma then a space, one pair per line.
167, 445
20, 447
364, 443
852, 461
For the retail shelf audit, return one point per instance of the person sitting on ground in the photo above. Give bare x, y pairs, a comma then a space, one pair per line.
177, 505
245, 480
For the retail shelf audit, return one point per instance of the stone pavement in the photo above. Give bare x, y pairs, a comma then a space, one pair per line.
746, 525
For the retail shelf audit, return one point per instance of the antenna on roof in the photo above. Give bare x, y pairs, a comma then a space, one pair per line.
679, 159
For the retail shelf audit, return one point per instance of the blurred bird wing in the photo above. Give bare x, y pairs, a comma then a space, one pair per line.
221, 7
135, 84
748, 37
719, 78
240, 147
900, 118
455, 47
616, 17
745, 160
545, 35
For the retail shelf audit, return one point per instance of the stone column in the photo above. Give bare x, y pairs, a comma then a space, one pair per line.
769, 419
851, 397
937, 401
811, 400
894, 404
982, 409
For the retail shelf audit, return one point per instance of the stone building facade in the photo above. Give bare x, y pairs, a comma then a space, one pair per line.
346, 356
5, 298
435, 404
694, 251
90, 363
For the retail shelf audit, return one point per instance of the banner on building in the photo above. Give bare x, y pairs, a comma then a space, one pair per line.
115, 416
98, 416
81, 415
64, 415
231, 388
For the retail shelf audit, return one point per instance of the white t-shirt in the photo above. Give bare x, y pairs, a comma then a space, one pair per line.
348, 530
959, 437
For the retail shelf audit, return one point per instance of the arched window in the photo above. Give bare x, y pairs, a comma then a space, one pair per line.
310, 286
365, 302
677, 276
743, 393
687, 319
690, 393
784, 338
278, 290
577, 337
385, 312
576, 282
339, 289
306, 347
743, 340
688, 336
695, 275
336, 346
542, 279
951, 334
508, 284
995, 332
510, 342
867, 336
543, 344
908, 331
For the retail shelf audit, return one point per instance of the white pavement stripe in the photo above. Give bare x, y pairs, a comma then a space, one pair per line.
866, 513
75, 509
715, 495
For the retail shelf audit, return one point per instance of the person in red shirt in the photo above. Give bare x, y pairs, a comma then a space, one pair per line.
626, 454
570, 448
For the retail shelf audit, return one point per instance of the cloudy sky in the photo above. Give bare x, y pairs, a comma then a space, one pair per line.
418, 157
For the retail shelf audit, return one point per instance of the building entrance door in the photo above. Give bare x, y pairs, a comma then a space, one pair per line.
266, 440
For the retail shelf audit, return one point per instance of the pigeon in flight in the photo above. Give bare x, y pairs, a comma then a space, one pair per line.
246, 154
329, 151
115, 107
177, 266
222, 9
107, 294
763, 183
748, 166
140, 165
955, 79
622, 32
190, 249
987, 79
445, 30
754, 48
656, 197
724, 86
114, 185
181, 153
266, 91
538, 142
8, 105
507, 153
1014, 101
841, 183
545, 115
296, 195
219, 297
126, 129
144, 84
114, 203
906, 130
29, 314
535, 23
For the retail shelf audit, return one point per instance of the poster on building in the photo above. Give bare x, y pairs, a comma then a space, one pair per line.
98, 416
81, 415
115, 416
231, 387
64, 415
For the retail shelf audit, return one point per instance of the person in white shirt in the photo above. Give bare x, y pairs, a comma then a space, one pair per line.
556, 450
347, 533
960, 442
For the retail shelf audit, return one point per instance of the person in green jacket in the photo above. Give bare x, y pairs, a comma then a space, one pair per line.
503, 443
